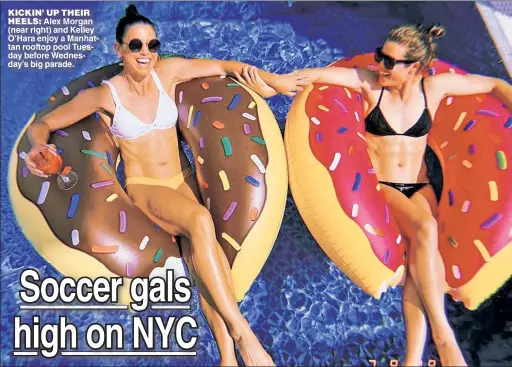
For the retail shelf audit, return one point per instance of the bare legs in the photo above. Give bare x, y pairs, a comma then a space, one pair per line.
415, 219
179, 214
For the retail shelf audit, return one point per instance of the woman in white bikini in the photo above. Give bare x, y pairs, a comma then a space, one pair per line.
400, 106
140, 112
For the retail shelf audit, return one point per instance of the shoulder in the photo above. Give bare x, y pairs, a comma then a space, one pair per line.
169, 68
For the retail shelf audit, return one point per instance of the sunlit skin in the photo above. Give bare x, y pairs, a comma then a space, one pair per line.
157, 155
400, 159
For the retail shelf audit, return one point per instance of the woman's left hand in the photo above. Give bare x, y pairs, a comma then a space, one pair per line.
252, 79
290, 84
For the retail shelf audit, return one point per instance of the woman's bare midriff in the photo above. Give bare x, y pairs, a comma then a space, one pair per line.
154, 155
397, 158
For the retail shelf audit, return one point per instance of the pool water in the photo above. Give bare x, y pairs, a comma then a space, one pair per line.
303, 309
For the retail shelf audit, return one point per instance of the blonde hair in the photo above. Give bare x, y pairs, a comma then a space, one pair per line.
420, 42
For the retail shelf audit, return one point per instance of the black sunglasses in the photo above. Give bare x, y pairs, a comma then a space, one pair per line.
135, 45
389, 62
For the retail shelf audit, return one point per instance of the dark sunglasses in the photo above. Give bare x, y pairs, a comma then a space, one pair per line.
135, 45
389, 62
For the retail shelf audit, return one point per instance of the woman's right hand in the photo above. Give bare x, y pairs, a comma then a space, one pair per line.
29, 158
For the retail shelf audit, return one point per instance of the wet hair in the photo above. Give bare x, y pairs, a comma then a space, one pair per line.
131, 17
419, 40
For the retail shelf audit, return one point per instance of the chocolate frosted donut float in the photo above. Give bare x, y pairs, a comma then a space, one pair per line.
94, 229
239, 159
337, 193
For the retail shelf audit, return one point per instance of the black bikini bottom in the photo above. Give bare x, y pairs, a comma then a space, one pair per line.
406, 189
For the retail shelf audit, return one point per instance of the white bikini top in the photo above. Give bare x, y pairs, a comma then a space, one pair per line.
125, 125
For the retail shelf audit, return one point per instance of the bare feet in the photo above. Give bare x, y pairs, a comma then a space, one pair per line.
449, 351
251, 350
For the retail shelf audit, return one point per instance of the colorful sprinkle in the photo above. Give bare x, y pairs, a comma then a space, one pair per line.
359, 98
65, 90
61, 133
231, 241
122, 221
91, 84
456, 271
66, 170
59, 150
75, 237
386, 257
465, 206
315, 121
230, 211
105, 167
323, 108
158, 227
348, 93
24, 171
487, 113
86, 135
343, 108
97, 185
355, 210
247, 129
158, 255
323, 87
223, 76
467, 164
432, 71
224, 180
258, 140
45, 186
234, 102
386, 213
211, 99
469, 125
452, 241
73, 205
462, 116
181, 97
361, 136
319, 136
249, 116
200, 159
143, 243
204, 183
508, 124
451, 156
371, 171
129, 269
399, 239
335, 161
23, 155
375, 231
251, 105
226, 144
258, 163
443, 145
377, 187
205, 85
501, 159
449, 101
91, 152
231, 85
196, 118
52, 98
251, 180
253, 215
111, 198
357, 182
341, 130
472, 149
491, 221
218, 125
493, 188
190, 110
104, 249
201, 142
451, 197
483, 250
356, 115
208, 203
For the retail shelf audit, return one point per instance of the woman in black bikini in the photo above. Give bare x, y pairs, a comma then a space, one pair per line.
394, 96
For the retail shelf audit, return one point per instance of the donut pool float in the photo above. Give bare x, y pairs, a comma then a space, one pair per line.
95, 230
337, 192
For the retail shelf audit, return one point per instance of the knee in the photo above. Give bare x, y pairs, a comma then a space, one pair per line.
201, 222
427, 232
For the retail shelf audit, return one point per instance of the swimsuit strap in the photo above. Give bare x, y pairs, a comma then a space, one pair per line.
115, 96
157, 81
380, 97
424, 93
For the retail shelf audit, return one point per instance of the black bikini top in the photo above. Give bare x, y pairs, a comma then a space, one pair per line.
376, 124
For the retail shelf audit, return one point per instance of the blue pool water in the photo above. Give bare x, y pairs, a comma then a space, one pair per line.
305, 311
